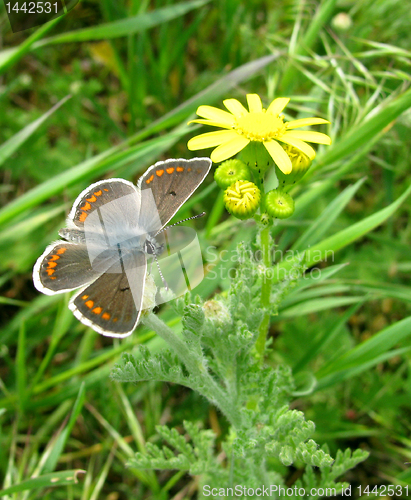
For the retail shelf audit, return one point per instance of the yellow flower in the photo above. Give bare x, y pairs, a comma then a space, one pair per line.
258, 124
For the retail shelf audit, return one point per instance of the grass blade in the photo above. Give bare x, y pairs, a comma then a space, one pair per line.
126, 27
326, 338
341, 239
60, 442
21, 372
10, 56
115, 29
327, 217
55, 479
12, 145
378, 344
348, 372
84, 171
321, 17
366, 130
316, 305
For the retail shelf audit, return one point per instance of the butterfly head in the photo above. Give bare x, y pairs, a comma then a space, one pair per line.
152, 246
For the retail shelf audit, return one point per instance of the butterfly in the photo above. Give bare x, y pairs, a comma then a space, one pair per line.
112, 230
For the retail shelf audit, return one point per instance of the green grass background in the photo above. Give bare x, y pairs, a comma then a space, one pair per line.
135, 72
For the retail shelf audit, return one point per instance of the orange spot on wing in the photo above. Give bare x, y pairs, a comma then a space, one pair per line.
180, 169
89, 304
114, 320
159, 173
54, 257
60, 251
105, 189
52, 277
106, 316
170, 170
92, 199
98, 193
150, 179
97, 310
189, 169
50, 271
83, 217
84, 297
87, 206
52, 264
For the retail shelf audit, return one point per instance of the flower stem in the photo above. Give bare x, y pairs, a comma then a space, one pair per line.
197, 368
265, 292
260, 184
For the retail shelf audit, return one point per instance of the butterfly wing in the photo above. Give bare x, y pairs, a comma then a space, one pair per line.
172, 182
63, 267
95, 196
104, 252
112, 304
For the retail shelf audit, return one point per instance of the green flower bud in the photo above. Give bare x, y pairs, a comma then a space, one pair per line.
279, 204
242, 199
256, 157
216, 311
266, 220
300, 162
231, 171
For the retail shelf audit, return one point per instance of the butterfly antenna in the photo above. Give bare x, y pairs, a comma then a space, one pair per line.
160, 273
184, 220
158, 265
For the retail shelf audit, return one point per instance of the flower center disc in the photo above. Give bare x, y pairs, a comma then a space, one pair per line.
260, 126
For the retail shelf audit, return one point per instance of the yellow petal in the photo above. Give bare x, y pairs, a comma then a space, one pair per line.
235, 107
279, 156
229, 149
309, 136
254, 103
215, 115
211, 139
302, 146
278, 105
210, 122
304, 122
